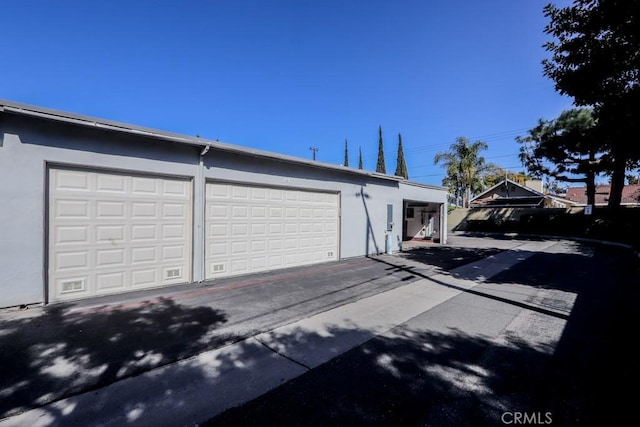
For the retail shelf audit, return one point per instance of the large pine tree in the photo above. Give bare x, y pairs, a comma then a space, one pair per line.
380, 167
401, 168
594, 59
360, 166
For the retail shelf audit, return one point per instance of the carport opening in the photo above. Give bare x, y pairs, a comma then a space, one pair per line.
422, 221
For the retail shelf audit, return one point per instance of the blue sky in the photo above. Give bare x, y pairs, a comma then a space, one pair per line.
284, 76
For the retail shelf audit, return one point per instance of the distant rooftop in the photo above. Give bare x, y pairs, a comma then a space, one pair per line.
630, 194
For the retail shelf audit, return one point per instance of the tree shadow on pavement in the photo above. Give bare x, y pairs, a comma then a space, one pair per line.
417, 373
59, 354
423, 376
408, 377
535, 267
447, 257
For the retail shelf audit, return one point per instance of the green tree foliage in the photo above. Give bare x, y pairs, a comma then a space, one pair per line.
346, 153
554, 187
401, 167
494, 174
380, 167
464, 167
596, 60
566, 148
360, 159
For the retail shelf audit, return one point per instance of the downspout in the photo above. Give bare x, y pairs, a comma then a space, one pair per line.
202, 215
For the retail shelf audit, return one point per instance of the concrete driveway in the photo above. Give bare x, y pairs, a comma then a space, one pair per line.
343, 329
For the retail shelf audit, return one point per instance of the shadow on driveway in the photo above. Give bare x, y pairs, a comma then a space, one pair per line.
409, 376
417, 376
57, 355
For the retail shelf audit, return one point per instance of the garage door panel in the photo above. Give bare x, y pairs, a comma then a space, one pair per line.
175, 211
239, 248
109, 282
291, 259
173, 231
259, 194
170, 253
305, 228
218, 249
239, 230
71, 235
258, 246
175, 188
258, 230
144, 210
72, 260
144, 278
110, 257
125, 232
144, 255
144, 232
239, 266
239, 212
72, 181
252, 228
110, 184
143, 186
276, 212
276, 245
218, 211
291, 229
71, 209
109, 233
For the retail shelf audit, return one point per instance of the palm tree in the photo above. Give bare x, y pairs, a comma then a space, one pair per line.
464, 168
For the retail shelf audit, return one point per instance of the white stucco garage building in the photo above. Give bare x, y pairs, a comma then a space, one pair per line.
92, 207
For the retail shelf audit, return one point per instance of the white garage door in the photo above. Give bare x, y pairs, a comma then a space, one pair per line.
113, 232
251, 229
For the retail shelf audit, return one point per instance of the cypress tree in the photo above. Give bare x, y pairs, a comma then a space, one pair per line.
401, 168
346, 153
360, 161
380, 167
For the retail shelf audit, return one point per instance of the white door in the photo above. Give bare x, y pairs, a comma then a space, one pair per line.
114, 232
251, 229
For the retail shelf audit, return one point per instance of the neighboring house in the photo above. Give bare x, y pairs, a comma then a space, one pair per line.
93, 207
511, 194
630, 195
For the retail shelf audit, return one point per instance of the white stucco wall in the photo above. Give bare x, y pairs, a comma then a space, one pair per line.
29, 145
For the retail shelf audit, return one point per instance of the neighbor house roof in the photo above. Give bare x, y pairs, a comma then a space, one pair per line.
11, 107
498, 195
630, 194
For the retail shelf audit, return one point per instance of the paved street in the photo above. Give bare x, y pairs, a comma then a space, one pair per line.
441, 335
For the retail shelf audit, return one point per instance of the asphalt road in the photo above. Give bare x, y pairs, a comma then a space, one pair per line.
550, 341
48, 354
546, 341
